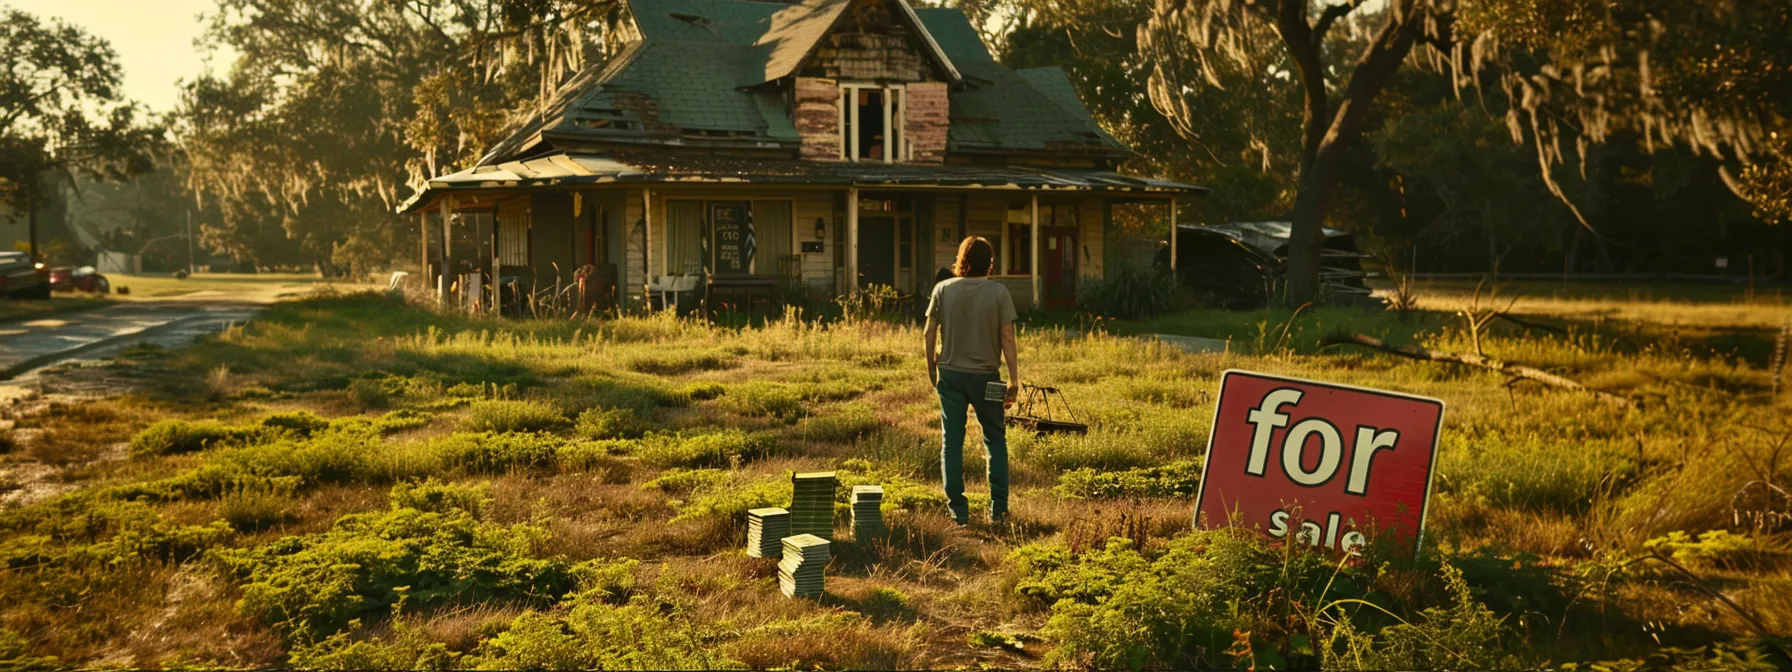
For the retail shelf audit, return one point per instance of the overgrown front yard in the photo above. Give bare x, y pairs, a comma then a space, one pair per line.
349, 482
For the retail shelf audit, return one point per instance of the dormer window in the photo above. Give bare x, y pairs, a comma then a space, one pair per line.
871, 122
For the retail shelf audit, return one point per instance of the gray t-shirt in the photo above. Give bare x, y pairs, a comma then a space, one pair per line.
971, 312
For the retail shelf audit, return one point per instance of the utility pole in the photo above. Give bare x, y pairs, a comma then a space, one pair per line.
190, 267
31, 219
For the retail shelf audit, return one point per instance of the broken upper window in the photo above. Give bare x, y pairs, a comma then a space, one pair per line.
871, 123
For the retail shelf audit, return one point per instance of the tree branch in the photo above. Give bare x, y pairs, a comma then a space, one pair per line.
1330, 16
1514, 370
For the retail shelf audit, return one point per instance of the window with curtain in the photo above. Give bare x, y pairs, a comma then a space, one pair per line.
513, 238
684, 237
771, 232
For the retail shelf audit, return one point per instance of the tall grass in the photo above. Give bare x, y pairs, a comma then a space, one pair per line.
651, 436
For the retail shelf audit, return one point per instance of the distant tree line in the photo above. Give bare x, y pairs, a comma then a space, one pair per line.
1454, 135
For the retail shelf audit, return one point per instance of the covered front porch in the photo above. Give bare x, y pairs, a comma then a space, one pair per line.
595, 234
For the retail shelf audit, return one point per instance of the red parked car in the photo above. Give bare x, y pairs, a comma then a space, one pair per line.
85, 279
21, 278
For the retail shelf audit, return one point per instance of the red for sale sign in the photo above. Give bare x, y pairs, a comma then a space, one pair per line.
1328, 465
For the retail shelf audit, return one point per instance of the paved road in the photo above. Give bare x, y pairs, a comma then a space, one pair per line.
32, 344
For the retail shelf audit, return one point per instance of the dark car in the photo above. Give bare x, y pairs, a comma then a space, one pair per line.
21, 278
1242, 265
84, 279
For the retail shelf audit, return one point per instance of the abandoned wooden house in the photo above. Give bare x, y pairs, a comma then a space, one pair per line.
740, 146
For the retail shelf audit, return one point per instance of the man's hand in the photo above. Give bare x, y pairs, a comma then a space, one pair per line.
1013, 394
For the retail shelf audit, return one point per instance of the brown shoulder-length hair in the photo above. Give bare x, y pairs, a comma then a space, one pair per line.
976, 258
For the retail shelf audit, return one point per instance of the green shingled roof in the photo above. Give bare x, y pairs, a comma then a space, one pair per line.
699, 77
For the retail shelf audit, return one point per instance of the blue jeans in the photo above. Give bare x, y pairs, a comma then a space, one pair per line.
957, 390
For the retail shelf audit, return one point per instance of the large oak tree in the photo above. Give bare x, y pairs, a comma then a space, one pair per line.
1712, 75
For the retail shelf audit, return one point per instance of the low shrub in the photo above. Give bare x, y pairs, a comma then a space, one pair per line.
16, 653
680, 363
823, 642
170, 437
1129, 292
884, 604
1719, 550
369, 392
1176, 479
683, 482
408, 647
435, 496
1222, 598
763, 399
514, 416
1099, 449
299, 423
610, 423
257, 505
491, 452
598, 635
313, 585
704, 391
842, 424
716, 449
728, 500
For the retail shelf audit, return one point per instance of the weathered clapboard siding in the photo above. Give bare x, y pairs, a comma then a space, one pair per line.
868, 43
818, 268
817, 117
1091, 237
926, 121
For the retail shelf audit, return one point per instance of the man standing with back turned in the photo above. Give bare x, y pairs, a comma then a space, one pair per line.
974, 317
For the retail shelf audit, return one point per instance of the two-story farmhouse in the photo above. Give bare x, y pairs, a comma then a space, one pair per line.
835, 144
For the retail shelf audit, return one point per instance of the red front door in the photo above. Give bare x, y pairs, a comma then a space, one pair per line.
1058, 263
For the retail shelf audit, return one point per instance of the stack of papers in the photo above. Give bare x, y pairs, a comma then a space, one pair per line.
799, 573
812, 504
867, 512
765, 530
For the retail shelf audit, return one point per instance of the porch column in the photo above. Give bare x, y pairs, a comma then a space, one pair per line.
1173, 235
647, 248
852, 240
445, 282
423, 251
497, 263
1033, 253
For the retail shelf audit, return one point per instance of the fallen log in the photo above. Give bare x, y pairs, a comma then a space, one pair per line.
1508, 368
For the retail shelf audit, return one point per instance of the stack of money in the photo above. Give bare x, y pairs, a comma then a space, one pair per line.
867, 514
799, 574
765, 529
812, 504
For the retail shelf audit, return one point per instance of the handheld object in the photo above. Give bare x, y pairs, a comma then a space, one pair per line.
995, 390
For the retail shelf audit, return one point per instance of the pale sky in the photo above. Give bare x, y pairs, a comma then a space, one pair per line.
153, 38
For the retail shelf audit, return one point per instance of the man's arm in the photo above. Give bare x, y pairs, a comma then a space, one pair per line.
933, 360
1011, 353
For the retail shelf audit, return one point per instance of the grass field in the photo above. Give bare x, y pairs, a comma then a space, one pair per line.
352, 483
224, 284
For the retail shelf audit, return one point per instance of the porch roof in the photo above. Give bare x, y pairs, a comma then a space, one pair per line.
574, 169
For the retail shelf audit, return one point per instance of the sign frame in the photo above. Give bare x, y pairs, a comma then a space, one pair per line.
1418, 542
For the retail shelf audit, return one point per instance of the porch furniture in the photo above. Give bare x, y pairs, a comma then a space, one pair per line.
742, 292
667, 288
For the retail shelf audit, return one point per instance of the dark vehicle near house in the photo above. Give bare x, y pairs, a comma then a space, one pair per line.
1242, 265
83, 279
22, 278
